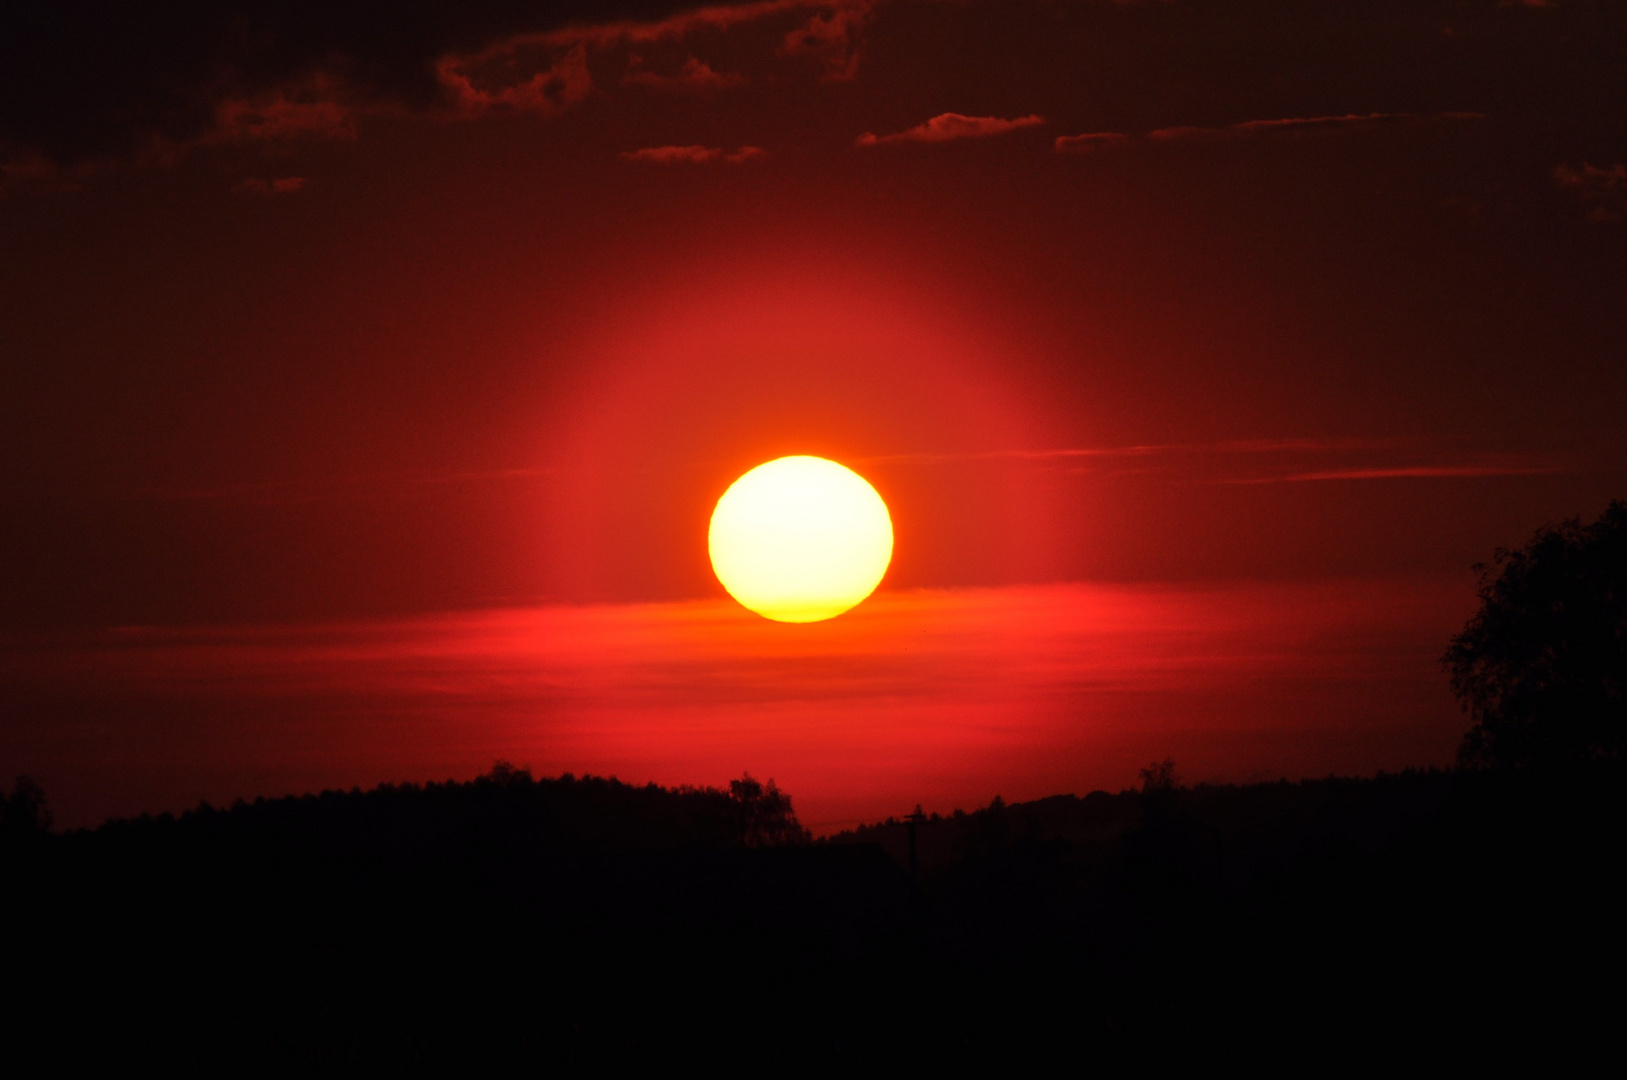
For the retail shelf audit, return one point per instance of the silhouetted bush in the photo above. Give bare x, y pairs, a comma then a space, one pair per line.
1542, 666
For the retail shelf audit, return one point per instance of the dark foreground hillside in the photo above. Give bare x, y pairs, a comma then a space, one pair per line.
581, 922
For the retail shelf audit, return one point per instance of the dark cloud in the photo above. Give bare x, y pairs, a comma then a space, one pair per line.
1091, 142
947, 127
283, 185
832, 39
285, 114
94, 79
523, 80
693, 155
695, 76
1299, 123
1603, 190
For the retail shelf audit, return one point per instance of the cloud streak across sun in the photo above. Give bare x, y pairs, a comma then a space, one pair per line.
1448, 463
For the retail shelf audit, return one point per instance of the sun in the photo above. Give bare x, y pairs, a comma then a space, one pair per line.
800, 539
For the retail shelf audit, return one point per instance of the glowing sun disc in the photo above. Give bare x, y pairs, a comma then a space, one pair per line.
800, 539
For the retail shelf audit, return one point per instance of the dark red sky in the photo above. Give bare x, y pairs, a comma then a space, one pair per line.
310, 314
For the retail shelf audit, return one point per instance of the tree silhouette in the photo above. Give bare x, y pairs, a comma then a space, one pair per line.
23, 812
1542, 666
1160, 776
765, 814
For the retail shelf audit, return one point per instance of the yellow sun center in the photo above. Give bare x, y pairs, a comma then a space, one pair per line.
800, 539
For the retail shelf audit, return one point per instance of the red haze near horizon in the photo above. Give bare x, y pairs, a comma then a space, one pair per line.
945, 697
429, 322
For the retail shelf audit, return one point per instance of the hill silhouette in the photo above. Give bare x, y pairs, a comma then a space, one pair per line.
584, 922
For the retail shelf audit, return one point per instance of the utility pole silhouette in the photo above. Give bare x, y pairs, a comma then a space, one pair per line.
913, 820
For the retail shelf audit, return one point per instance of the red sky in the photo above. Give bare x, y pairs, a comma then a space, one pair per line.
314, 318
947, 697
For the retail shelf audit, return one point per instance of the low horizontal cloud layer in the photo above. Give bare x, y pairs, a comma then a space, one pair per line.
947, 127
1090, 142
693, 155
282, 116
1412, 472
282, 185
1240, 461
694, 76
946, 697
1269, 461
1254, 127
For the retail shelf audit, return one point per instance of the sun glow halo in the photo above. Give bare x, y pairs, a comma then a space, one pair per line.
800, 539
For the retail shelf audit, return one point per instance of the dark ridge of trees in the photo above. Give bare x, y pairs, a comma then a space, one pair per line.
511, 922
1541, 668
448, 925
506, 810
1337, 911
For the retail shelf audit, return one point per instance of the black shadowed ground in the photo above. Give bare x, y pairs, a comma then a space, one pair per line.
516, 921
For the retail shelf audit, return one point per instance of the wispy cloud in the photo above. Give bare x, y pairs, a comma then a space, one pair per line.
832, 40
1301, 123
1255, 127
1603, 190
1091, 142
848, 15
313, 110
499, 77
1267, 461
947, 127
545, 73
1233, 446
693, 155
282, 185
1408, 472
303, 73
1236, 461
311, 490
695, 76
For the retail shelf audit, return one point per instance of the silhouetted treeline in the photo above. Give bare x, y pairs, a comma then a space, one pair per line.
1476, 907
449, 924
505, 809
584, 922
